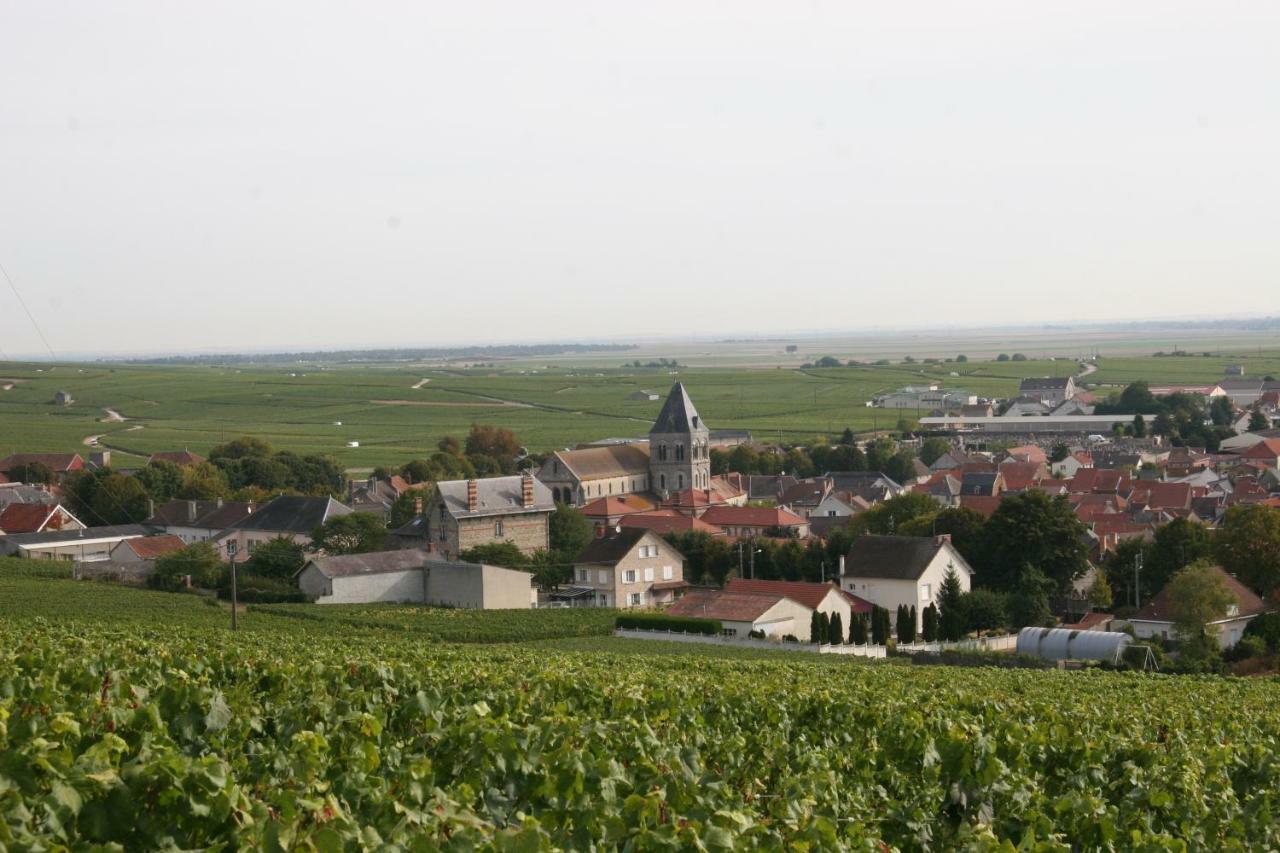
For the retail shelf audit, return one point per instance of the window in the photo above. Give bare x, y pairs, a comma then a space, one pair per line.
629, 576
653, 550
611, 487
662, 480
253, 543
635, 599
1233, 610
497, 528
925, 591
602, 576
681, 481
666, 573
729, 632
679, 452
584, 575
648, 574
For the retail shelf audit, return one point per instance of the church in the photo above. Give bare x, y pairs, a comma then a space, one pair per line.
676, 457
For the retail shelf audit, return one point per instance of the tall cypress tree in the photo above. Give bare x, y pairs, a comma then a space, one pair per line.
913, 617
815, 628
950, 605
824, 628
929, 629
858, 629
837, 630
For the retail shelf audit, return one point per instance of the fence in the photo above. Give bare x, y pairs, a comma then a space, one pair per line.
867, 651
1002, 643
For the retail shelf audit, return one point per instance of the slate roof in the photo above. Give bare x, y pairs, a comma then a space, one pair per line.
612, 547
204, 514
495, 496
177, 457
1158, 610
376, 563
678, 414
292, 514
894, 557
50, 537
1046, 383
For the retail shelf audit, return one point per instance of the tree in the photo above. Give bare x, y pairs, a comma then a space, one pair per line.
962, 524
1029, 600
161, 479
1139, 427
244, 447
1258, 421
933, 449
907, 624
815, 627
505, 554
1197, 597
962, 358
1221, 412
1100, 597
280, 558
34, 473
1017, 356
417, 471
1175, 545
1248, 546
846, 437
858, 629
879, 625
355, 533
824, 626
120, 500
569, 532
1163, 425
985, 610
492, 441
889, 516
929, 628
199, 560
1004, 356
951, 607
1060, 452
403, 510
1032, 529
203, 482
836, 635
449, 445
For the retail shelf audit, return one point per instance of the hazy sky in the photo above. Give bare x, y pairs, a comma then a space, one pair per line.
182, 176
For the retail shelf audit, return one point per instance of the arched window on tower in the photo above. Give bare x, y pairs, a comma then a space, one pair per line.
681, 481
662, 481
679, 452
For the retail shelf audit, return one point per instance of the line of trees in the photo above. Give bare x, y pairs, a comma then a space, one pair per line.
883, 455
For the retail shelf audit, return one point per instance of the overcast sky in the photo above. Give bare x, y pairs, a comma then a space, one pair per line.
181, 176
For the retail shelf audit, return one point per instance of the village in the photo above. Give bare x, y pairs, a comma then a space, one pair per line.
1054, 509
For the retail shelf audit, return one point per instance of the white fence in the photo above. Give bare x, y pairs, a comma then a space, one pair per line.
867, 651
1003, 643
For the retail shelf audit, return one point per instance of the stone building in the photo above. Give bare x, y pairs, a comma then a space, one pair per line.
679, 446
461, 514
579, 476
628, 567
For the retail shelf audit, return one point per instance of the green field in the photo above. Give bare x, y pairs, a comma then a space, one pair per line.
137, 720
299, 407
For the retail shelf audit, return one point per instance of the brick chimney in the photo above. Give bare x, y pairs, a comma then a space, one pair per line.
191, 510
473, 495
942, 539
526, 490
417, 505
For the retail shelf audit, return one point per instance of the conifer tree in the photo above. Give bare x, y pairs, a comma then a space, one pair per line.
815, 628
837, 630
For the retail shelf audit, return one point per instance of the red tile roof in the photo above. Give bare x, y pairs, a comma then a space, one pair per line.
1158, 610
1028, 453
28, 518
1022, 475
751, 516
150, 547
663, 522
59, 463
609, 506
694, 498
1156, 495
809, 594
177, 457
985, 504
725, 606
1267, 449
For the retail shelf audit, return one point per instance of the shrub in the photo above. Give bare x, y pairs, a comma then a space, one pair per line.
985, 610
1266, 628
1248, 647
260, 589
659, 622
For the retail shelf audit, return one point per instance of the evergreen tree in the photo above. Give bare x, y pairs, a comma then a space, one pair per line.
815, 628
858, 629
951, 615
837, 630
879, 626
824, 628
913, 617
930, 626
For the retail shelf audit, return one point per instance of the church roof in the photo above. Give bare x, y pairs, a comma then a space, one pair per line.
678, 414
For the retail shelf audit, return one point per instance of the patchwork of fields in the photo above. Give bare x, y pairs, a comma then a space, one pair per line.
398, 412
136, 719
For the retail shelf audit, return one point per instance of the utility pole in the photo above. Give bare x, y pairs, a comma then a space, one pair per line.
1137, 568
753, 558
231, 552
740, 559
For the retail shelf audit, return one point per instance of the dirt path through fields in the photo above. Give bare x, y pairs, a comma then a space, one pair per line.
418, 384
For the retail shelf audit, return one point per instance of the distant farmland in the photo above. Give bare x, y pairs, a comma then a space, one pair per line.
395, 415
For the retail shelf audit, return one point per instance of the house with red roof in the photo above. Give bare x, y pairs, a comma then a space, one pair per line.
757, 521
609, 510
664, 521
1155, 620
177, 457
146, 548
61, 464
743, 613
1266, 451
37, 518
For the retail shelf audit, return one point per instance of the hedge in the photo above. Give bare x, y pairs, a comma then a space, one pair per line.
658, 622
259, 589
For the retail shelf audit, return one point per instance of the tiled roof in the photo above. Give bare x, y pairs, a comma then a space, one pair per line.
612, 546
292, 514
599, 463
609, 506
25, 518
177, 457
1268, 448
694, 498
56, 462
751, 516
725, 606
150, 547
210, 515
985, 504
663, 522
809, 594
1156, 495
1158, 609
1044, 384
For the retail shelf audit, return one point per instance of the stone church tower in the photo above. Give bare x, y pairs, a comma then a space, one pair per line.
679, 455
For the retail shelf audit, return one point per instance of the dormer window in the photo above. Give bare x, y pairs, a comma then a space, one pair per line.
1233, 610
695, 421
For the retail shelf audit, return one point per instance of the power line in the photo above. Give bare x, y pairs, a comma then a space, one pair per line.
30, 316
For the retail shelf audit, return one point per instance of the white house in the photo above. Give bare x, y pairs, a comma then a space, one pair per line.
408, 576
902, 570
740, 613
824, 597
1154, 621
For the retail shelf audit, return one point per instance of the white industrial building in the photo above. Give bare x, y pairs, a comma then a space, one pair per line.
409, 577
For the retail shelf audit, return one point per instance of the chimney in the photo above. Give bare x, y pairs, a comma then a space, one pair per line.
417, 505
151, 508
942, 539
842, 566
191, 510
526, 490
219, 503
473, 495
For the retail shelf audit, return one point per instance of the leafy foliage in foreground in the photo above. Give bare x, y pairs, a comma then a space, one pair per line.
323, 735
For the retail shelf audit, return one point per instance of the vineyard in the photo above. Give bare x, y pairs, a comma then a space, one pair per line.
135, 720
